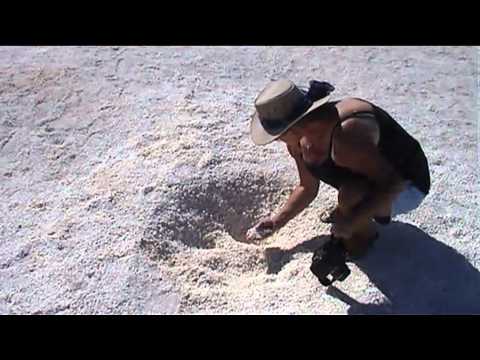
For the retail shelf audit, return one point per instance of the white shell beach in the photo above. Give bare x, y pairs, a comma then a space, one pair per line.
128, 181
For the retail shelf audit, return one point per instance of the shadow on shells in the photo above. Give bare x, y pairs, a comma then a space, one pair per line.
192, 212
416, 273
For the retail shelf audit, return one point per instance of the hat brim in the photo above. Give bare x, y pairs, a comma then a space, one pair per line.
261, 137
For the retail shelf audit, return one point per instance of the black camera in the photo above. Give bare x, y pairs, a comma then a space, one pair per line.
330, 259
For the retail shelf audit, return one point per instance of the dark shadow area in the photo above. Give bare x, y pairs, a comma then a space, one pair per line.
277, 258
417, 273
358, 308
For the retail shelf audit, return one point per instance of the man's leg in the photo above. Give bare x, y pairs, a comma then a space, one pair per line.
351, 194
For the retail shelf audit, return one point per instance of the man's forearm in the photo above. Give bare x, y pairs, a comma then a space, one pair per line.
299, 199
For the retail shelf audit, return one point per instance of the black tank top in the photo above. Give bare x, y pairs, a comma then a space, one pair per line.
396, 145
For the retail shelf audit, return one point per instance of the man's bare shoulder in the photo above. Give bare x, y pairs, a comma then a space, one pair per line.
350, 105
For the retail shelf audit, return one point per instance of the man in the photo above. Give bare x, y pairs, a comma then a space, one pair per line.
378, 169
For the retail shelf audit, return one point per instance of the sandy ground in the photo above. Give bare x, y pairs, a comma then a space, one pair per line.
127, 180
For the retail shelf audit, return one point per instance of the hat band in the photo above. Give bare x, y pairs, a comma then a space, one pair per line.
276, 126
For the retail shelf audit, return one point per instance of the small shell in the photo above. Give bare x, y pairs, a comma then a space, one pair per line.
257, 234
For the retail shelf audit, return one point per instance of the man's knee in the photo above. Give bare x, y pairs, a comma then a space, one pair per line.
352, 192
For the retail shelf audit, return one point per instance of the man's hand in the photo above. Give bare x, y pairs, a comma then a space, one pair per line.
261, 230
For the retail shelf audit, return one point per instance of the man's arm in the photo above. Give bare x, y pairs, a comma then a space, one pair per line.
302, 195
355, 148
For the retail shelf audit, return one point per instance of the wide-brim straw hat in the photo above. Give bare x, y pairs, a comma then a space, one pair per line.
278, 107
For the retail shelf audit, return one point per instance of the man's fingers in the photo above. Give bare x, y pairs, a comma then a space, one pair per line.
258, 232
